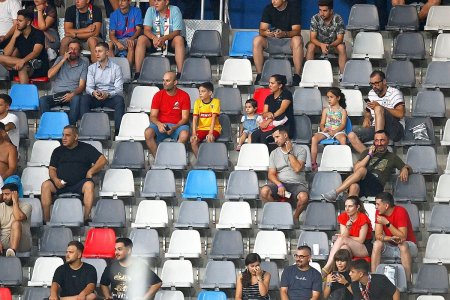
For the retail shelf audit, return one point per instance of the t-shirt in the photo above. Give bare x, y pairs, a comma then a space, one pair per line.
327, 33
205, 111
275, 104
71, 281
7, 218
129, 282
25, 45
361, 219
383, 169
381, 288
84, 19
335, 286
283, 20
124, 25
171, 107
13, 134
391, 99
49, 11
301, 284
68, 77
279, 161
399, 218
72, 164
175, 20
8, 13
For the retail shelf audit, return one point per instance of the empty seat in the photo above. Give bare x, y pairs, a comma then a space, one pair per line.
24, 97
177, 273
270, 245
200, 184
354, 101
253, 157
236, 72
400, 73
410, 138
36, 211
169, 295
276, 66
226, 133
400, 275
413, 213
54, 241
319, 216
206, 43
438, 75
33, 293
242, 44
441, 48
403, 18
66, 212
99, 243
230, 100
363, 16
430, 297
324, 182
41, 153
132, 127
446, 137
128, 155
193, 95
276, 215
439, 221
151, 214
94, 126
117, 183
153, 70
227, 245
159, 184
141, 99
212, 156
145, 242
242, 184
307, 101
412, 190
219, 275
108, 213
368, 45
336, 158
235, 215
356, 73
431, 279
32, 179
193, 214
315, 237
23, 123
12, 271
303, 130
211, 295
184, 244
317, 73
124, 65
429, 104
443, 189
51, 125
409, 45
43, 271
437, 19
170, 156
422, 159
195, 71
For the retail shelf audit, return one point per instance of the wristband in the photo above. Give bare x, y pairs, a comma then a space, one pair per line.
370, 155
280, 185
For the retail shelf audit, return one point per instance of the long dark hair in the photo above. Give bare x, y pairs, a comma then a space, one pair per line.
357, 202
280, 79
338, 93
342, 255
246, 276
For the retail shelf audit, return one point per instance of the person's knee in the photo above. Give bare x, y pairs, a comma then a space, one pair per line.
46, 186
341, 48
296, 41
149, 133
404, 247
302, 199
265, 192
311, 48
141, 42
88, 187
92, 41
183, 136
379, 110
377, 246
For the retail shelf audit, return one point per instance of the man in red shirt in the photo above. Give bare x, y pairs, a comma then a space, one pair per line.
394, 235
169, 115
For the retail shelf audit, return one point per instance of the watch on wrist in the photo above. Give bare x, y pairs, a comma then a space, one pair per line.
388, 225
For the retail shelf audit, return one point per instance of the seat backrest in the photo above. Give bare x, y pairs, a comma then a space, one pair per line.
242, 44
400, 73
153, 69
430, 297
169, 295
35, 293
200, 184
439, 221
211, 295
253, 157
429, 104
400, 275
42, 152
235, 215
412, 190
437, 18
24, 97
196, 70
193, 95
170, 156
356, 73
226, 133
409, 45
307, 101
141, 99
145, 242
411, 122
324, 182
422, 159
276, 215
319, 216
227, 244
271, 267
368, 45
443, 189
43, 270
230, 100
303, 130
446, 141
117, 182
109, 213
184, 243
5, 293
23, 123
99, 265
206, 43
219, 274
67, 212
270, 245
413, 213
159, 184
435, 251
133, 126
193, 214
242, 184
402, 18
12, 271
317, 73
236, 71
336, 158
441, 51
212, 156
370, 210
128, 155
36, 210
96, 144
94, 126
260, 95
32, 179
431, 279
124, 65
354, 101
151, 213
54, 241
99, 243
363, 16
177, 273
276, 66
51, 125
315, 237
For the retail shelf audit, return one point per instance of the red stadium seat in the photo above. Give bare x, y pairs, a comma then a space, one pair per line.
34, 80
100, 243
5, 294
366, 258
260, 96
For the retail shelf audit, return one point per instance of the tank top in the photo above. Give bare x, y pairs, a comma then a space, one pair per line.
252, 292
333, 119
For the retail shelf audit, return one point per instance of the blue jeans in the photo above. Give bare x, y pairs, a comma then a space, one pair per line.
46, 102
117, 103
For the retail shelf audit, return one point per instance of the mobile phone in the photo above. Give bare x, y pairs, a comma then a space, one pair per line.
367, 100
287, 194
166, 127
335, 273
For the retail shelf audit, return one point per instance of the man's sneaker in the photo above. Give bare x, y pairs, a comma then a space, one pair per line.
296, 80
340, 77
136, 76
10, 252
330, 196
258, 78
178, 75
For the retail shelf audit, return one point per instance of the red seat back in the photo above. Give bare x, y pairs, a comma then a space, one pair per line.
5, 294
100, 243
366, 258
260, 96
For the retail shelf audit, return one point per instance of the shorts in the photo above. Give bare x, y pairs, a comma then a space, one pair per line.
25, 240
75, 189
170, 49
124, 43
392, 126
318, 50
293, 188
279, 46
201, 134
390, 250
328, 136
370, 186
162, 136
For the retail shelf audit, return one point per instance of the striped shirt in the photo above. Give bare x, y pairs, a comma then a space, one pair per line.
252, 292
391, 100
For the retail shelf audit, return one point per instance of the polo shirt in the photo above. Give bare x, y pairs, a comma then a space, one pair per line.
68, 77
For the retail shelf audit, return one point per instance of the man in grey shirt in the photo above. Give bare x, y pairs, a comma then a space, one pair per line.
104, 85
68, 76
286, 173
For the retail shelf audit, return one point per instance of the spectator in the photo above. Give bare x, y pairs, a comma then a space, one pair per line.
205, 123
8, 17
163, 31
278, 110
125, 27
8, 155
169, 115
385, 110
15, 234
332, 123
25, 50
83, 21
72, 166
74, 279
337, 284
355, 232
68, 76
375, 286
425, 6
249, 123
372, 171
301, 281
286, 174
104, 86
129, 278
110, 6
46, 19
253, 282
327, 34
280, 28
11, 121
394, 235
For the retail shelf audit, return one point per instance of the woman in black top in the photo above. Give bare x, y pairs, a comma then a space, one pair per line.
253, 282
337, 285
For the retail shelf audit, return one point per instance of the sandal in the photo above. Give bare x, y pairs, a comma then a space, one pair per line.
238, 147
324, 273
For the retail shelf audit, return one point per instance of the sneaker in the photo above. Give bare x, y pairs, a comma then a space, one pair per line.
51, 54
238, 148
178, 75
296, 80
340, 77
10, 252
136, 76
258, 78
330, 196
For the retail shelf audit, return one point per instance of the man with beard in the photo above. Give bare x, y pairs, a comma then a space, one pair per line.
128, 278
15, 234
75, 279
301, 281
68, 76
385, 111
25, 51
372, 170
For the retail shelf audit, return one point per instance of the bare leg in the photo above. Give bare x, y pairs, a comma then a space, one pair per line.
342, 139
314, 145
142, 44
92, 42
356, 176
302, 202
405, 257
356, 142
342, 57
265, 194
355, 248
379, 117
259, 44
194, 146
16, 234
150, 140
88, 198
47, 189
297, 53
183, 137
242, 138
111, 49
130, 54
376, 255
178, 45
310, 51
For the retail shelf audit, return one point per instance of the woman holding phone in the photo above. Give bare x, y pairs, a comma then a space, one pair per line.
253, 282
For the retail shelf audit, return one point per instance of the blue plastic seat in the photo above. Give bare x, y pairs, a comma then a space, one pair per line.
333, 141
200, 184
212, 295
51, 125
242, 45
24, 96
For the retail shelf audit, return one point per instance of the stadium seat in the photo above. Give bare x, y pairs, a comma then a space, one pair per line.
336, 158
4, 74
368, 45
159, 184
145, 242
153, 70
437, 19
260, 96
303, 130
5, 294
400, 73
99, 243
422, 159
317, 73
24, 97
253, 157
36, 210
354, 101
43, 271
226, 133
324, 182
409, 45
184, 244
429, 104
99, 265
129, 155
54, 241
200, 184
270, 245
206, 43
431, 279
276, 216
413, 213
400, 275
177, 273
169, 295
170, 156
33, 293
363, 17
230, 100
235, 215
151, 214
439, 221
430, 297
438, 75
236, 72
196, 70
211, 295
332, 140
443, 189
356, 73
413, 190
307, 101
66, 212
370, 210
141, 99
315, 237
446, 136
409, 137
32, 179
96, 144
192, 215
319, 216
276, 66
94, 126
403, 18
117, 183
212, 156
271, 267
51, 125
193, 95
109, 213
242, 44
23, 124
124, 67
219, 275
12, 271
132, 127
441, 51
242, 185
227, 244
41, 153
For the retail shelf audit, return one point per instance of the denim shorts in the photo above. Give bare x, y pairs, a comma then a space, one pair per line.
174, 136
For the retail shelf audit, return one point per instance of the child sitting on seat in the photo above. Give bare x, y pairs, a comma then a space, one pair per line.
249, 122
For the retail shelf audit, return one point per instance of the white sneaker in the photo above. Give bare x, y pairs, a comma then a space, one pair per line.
51, 54
10, 252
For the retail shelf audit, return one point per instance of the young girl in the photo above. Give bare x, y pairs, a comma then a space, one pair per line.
337, 282
332, 124
253, 283
249, 122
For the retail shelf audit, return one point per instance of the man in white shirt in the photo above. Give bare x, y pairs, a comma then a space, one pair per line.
10, 120
8, 17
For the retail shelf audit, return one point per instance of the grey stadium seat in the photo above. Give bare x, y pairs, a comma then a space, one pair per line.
403, 18
271, 267
324, 182
413, 213
109, 213
33, 293
159, 184
193, 215
438, 75
124, 66
422, 159
276, 66
431, 279
213, 156
363, 16
303, 130
219, 275
413, 190
227, 245
409, 138
226, 134
307, 101
242, 185
315, 237
230, 100
195, 71
170, 156
400, 278
206, 43
439, 219
94, 126
153, 70
400, 73
11, 274
128, 155
145, 242
429, 104
409, 45
356, 73
276, 215
67, 212
54, 241
319, 216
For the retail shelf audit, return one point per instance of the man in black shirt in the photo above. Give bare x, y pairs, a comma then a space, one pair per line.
25, 51
279, 28
75, 279
370, 286
128, 278
72, 166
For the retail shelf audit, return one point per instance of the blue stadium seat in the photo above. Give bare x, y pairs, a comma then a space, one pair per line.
200, 184
333, 141
212, 295
24, 96
242, 45
51, 125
